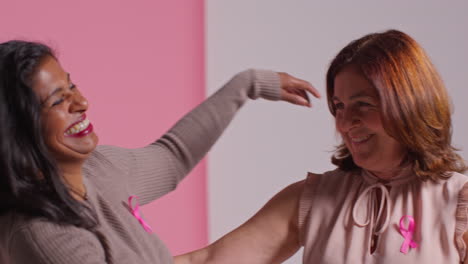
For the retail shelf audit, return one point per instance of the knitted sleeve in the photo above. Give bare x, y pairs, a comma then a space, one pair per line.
51, 244
156, 169
461, 225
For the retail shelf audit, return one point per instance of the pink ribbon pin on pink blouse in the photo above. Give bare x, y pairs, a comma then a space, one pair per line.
136, 213
407, 233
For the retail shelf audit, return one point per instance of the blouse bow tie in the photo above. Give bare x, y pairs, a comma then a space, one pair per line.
369, 193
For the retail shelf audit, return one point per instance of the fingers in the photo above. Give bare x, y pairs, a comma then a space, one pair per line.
300, 93
296, 99
294, 90
304, 95
292, 83
305, 85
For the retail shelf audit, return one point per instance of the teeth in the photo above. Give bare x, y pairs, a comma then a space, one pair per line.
360, 139
77, 128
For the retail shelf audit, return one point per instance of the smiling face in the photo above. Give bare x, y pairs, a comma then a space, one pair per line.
358, 120
68, 133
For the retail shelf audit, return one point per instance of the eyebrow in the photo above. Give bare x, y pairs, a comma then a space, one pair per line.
354, 96
56, 90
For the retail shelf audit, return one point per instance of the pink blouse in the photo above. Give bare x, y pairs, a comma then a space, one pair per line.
342, 215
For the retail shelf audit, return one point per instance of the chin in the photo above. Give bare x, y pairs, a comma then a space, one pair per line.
81, 149
362, 162
87, 149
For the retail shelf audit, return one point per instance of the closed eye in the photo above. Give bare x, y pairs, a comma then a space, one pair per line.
363, 104
57, 102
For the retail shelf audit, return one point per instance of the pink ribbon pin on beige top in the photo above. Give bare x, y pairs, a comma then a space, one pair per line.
136, 212
407, 233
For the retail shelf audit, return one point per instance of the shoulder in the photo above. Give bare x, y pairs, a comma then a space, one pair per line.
321, 182
454, 183
97, 158
461, 215
336, 173
288, 197
103, 154
280, 212
106, 160
49, 242
460, 181
458, 177
324, 186
332, 178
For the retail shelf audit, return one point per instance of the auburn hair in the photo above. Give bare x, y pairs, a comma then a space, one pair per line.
415, 106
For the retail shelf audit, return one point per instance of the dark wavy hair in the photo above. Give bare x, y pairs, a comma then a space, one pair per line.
30, 182
416, 108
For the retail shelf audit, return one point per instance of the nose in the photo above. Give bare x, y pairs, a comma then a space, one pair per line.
78, 103
348, 119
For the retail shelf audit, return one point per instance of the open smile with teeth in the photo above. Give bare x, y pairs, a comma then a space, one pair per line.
78, 127
360, 139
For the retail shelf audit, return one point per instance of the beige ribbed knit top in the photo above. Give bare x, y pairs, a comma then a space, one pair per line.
342, 214
112, 174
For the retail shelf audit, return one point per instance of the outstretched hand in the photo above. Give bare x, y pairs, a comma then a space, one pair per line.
295, 90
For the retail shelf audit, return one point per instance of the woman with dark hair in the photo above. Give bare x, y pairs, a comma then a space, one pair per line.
63, 199
398, 194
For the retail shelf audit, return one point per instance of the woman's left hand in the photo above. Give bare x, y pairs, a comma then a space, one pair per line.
295, 90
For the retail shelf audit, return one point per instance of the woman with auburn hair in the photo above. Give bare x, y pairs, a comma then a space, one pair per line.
63, 199
398, 194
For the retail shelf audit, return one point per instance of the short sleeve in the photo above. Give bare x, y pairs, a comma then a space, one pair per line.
305, 203
51, 244
461, 224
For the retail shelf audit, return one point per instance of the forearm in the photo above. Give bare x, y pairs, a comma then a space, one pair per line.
269, 237
240, 249
192, 136
194, 257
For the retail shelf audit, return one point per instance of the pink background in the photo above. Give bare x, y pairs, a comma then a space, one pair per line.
141, 66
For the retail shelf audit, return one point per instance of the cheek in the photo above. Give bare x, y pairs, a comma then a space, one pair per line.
53, 126
50, 137
339, 122
373, 121
340, 129
395, 146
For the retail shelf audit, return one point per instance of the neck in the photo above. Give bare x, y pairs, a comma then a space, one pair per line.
390, 172
387, 174
391, 169
73, 179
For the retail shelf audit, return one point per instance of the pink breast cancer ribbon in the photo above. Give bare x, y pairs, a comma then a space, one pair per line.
407, 233
136, 213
